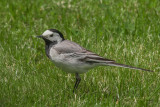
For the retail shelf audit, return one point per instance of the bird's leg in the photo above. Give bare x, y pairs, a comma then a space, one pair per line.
78, 79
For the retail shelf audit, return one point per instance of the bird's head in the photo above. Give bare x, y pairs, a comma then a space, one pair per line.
52, 35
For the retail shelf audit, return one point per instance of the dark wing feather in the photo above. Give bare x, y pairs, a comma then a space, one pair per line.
67, 46
81, 53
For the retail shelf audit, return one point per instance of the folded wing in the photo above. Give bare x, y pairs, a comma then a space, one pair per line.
73, 50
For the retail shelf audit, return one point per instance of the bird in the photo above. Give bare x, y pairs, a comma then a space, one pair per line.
73, 58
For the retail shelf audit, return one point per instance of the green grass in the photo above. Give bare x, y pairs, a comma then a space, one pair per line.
127, 31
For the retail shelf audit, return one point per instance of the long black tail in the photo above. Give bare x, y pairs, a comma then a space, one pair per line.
126, 66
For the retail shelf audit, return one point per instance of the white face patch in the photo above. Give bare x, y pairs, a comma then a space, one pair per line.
46, 33
52, 36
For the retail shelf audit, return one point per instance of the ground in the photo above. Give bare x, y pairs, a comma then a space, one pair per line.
127, 31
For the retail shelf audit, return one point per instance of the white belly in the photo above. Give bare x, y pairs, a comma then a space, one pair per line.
69, 64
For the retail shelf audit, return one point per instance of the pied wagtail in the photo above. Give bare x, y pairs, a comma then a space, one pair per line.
71, 57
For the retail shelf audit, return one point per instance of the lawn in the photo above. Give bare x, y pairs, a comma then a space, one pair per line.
127, 31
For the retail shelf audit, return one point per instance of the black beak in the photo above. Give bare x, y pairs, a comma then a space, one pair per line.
39, 36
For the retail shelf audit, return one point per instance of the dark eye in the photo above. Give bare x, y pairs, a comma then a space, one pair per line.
51, 35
